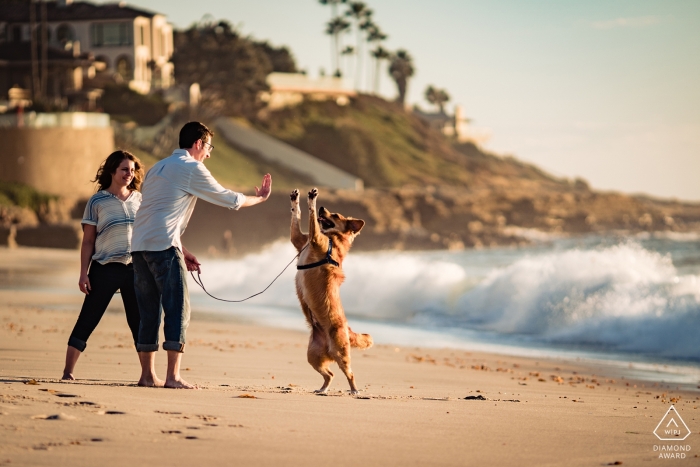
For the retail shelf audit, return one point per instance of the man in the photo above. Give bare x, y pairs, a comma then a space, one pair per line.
161, 262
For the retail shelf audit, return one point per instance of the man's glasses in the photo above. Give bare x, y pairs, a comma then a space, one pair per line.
210, 146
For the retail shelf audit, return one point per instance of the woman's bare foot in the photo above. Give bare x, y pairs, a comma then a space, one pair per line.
72, 355
179, 384
151, 382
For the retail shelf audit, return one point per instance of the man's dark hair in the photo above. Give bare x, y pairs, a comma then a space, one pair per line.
193, 132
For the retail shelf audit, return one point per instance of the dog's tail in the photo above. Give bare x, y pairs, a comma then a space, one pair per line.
360, 341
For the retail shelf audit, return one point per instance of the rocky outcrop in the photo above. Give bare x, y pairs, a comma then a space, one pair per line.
55, 225
426, 218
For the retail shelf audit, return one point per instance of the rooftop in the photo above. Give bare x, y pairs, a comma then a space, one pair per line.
17, 11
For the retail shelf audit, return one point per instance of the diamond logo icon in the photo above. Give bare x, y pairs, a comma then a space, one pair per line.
672, 427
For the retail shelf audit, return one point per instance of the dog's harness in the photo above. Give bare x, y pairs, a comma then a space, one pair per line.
327, 260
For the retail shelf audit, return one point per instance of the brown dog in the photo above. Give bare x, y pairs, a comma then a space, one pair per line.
318, 282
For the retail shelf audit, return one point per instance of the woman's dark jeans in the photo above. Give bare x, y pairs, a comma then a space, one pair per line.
105, 280
161, 279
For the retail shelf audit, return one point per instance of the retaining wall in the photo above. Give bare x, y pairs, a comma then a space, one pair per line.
59, 161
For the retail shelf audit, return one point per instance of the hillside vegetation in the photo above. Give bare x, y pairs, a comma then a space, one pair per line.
423, 191
388, 148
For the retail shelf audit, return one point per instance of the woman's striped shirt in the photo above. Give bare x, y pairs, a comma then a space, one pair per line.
114, 220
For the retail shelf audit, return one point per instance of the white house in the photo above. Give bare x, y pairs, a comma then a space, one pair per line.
134, 43
289, 89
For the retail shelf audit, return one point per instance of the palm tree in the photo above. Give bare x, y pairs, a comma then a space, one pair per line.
334, 28
379, 54
334, 5
334, 38
401, 69
374, 34
348, 52
437, 97
359, 12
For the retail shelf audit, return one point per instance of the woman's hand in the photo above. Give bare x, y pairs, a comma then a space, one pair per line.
84, 284
87, 249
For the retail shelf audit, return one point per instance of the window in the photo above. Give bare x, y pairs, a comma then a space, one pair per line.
125, 69
15, 33
112, 34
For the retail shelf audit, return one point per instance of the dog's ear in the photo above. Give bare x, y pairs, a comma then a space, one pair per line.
355, 225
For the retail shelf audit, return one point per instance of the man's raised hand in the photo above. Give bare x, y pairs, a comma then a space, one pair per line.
266, 187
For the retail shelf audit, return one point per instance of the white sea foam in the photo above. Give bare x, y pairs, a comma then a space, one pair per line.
619, 298
622, 297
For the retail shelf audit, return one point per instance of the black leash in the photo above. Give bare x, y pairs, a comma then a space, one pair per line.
201, 284
327, 260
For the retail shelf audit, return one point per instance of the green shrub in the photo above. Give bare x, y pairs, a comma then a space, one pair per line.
18, 194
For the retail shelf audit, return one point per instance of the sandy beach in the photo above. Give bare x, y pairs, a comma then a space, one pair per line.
256, 404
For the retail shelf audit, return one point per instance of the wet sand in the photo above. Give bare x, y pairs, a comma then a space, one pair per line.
256, 405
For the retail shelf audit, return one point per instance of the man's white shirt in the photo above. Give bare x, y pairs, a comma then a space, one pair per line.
170, 191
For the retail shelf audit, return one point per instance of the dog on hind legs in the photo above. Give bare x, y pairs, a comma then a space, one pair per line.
318, 279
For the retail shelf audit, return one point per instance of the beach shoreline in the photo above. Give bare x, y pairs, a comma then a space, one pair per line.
257, 406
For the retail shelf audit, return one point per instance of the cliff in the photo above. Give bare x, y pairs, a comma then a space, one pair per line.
423, 191
426, 193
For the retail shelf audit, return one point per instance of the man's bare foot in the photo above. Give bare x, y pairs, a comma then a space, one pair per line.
151, 382
179, 384
68, 376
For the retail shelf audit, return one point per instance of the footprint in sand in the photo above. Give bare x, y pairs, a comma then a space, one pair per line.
191, 437
60, 416
171, 432
207, 418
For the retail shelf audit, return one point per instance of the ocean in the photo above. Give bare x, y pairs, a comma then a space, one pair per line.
629, 301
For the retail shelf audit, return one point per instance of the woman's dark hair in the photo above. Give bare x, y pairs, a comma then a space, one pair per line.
110, 166
192, 132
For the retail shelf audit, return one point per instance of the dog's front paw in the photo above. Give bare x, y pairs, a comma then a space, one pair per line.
313, 193
294, 195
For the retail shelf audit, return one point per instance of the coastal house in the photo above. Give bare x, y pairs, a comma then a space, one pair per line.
63, 43
288, 89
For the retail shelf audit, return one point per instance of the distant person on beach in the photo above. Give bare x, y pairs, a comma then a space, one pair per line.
106, 250
161, 262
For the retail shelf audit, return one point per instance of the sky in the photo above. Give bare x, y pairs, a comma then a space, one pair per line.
605, 90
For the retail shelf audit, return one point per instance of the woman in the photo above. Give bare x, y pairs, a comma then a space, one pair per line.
106, 250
